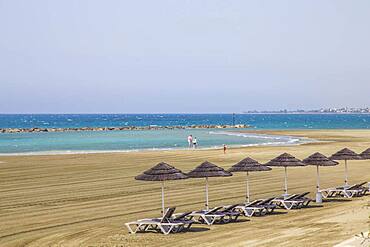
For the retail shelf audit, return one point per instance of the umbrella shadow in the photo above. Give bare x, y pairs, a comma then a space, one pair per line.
276, 213
238, 221
313, 206
337, 200
196, 229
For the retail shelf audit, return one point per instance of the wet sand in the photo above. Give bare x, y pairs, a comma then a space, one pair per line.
85, 199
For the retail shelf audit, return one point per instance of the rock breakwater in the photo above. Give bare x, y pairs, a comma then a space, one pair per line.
30, 130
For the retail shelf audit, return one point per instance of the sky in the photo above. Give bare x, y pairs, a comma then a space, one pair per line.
200, 56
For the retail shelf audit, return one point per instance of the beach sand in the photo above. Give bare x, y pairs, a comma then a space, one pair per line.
85, 199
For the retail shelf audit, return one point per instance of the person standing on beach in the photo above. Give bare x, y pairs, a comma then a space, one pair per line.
225, 147
195, 143
190, 141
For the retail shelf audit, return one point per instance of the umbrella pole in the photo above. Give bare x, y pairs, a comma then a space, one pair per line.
346, 171
318, 193
163, 198
318, 179
247, 182
286, 182
207, 207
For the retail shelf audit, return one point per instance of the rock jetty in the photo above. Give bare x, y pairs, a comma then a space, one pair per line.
30, 130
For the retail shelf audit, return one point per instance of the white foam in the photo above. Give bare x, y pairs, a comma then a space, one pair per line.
257, 136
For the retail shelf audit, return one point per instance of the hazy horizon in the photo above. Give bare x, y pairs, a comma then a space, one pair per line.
182, 57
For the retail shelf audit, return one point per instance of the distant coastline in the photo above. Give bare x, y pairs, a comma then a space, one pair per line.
342, 110
307, 112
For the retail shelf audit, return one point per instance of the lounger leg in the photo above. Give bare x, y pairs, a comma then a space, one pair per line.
225, 219
288, 205
138, 227
347, 194
165, 229
280, 204
205, 219
131, 231
263, 212
248, 212
324, 194
331, 194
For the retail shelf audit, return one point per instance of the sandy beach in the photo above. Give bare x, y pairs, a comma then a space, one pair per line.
85, 199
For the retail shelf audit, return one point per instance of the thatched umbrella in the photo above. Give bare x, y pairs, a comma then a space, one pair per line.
345, 154
318, 159
365, 155
285, 160
206, 170
162, 172
248, 165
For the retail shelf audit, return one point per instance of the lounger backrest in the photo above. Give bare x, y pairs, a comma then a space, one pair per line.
266, 201
302, 195
230, 208
291, 197
182, 216
361, 184
355, 186
254, 203
213, 210
168, 214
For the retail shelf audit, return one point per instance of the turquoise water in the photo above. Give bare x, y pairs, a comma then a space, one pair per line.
83, 142
112, 141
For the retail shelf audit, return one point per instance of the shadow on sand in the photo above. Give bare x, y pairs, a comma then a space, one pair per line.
276, 213
196, 229
336, 200
314, 206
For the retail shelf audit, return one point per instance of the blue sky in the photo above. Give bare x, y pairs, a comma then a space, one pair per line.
182, 56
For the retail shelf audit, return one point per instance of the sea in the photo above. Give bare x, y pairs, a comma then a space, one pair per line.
163, 139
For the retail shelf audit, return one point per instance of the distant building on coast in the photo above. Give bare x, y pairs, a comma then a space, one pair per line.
322, 110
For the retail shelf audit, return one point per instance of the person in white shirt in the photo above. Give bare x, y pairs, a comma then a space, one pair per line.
195, 143
190, 141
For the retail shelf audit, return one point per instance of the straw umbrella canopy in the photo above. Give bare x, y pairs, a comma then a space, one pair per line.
285, 160
248, 165
345, 154
318, 159
162, 172
206, 170
365, 155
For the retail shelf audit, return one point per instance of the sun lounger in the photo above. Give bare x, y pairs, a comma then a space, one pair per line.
258, 207
252, 208
230, 212
215, 215
165, 224
355, 186
363, 189
183, 218
305, 200
209, 217
268, 205
293, 201
356, 190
